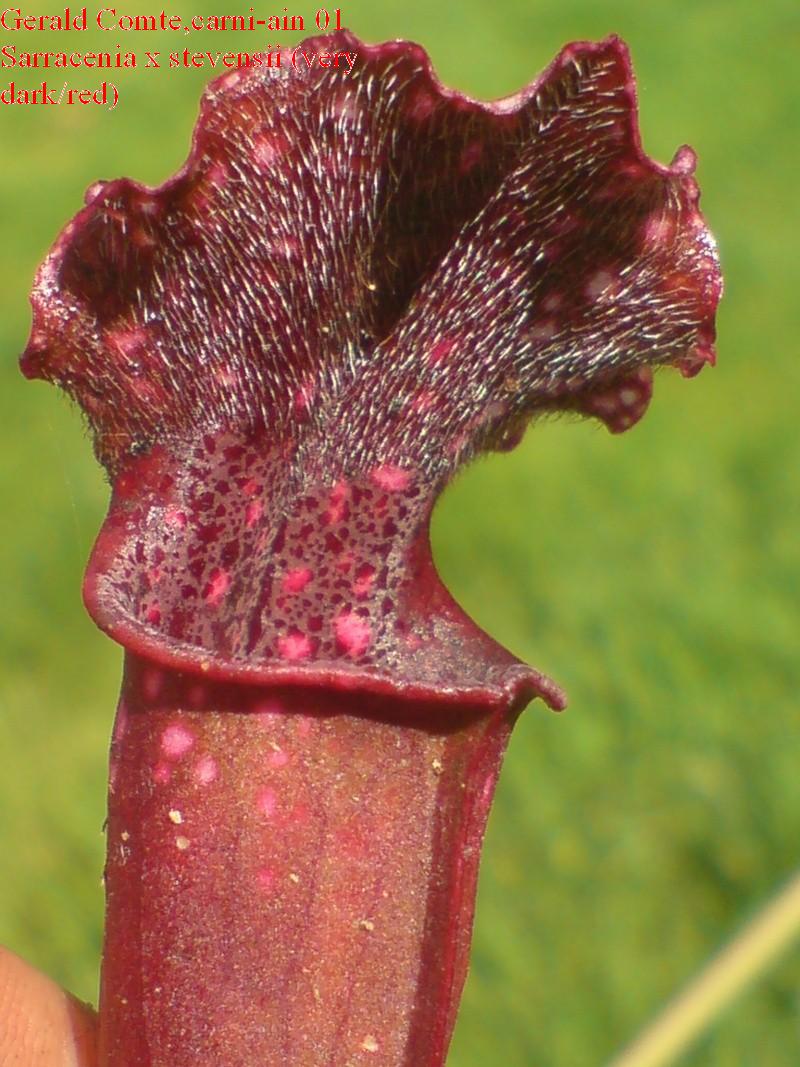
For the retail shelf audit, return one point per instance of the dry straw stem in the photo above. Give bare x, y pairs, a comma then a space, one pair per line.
769, 934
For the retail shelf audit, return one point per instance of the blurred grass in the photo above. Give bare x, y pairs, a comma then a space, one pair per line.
656, 575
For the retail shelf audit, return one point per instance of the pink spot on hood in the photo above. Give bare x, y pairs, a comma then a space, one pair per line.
294, 646
128, 342
622, 403
365, 577
268, 149
337, 503
253, 512
390, 477
441, 350
421, 106
304, 395
218, 586
175, 517
296, 581
353, 634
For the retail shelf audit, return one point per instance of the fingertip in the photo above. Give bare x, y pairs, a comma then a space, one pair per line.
83, 1037
40, 1023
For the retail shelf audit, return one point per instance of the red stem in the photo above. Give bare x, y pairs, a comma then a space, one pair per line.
291, 873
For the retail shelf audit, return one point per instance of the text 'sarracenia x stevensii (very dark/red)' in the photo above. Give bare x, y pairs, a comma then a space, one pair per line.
358, 281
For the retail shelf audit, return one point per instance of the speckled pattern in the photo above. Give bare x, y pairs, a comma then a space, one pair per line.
206, 560
357, 282
291, 873
378, 270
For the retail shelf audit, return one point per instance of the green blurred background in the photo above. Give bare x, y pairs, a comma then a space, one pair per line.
656, 575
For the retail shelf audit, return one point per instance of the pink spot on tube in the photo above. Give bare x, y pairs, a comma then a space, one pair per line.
352, 634
153, 678
176, 741
267, 801
265, 879
300, 815
303, 725
278, 758
162, 772
205, 770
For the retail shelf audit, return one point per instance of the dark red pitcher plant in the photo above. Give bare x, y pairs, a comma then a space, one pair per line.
358, 281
